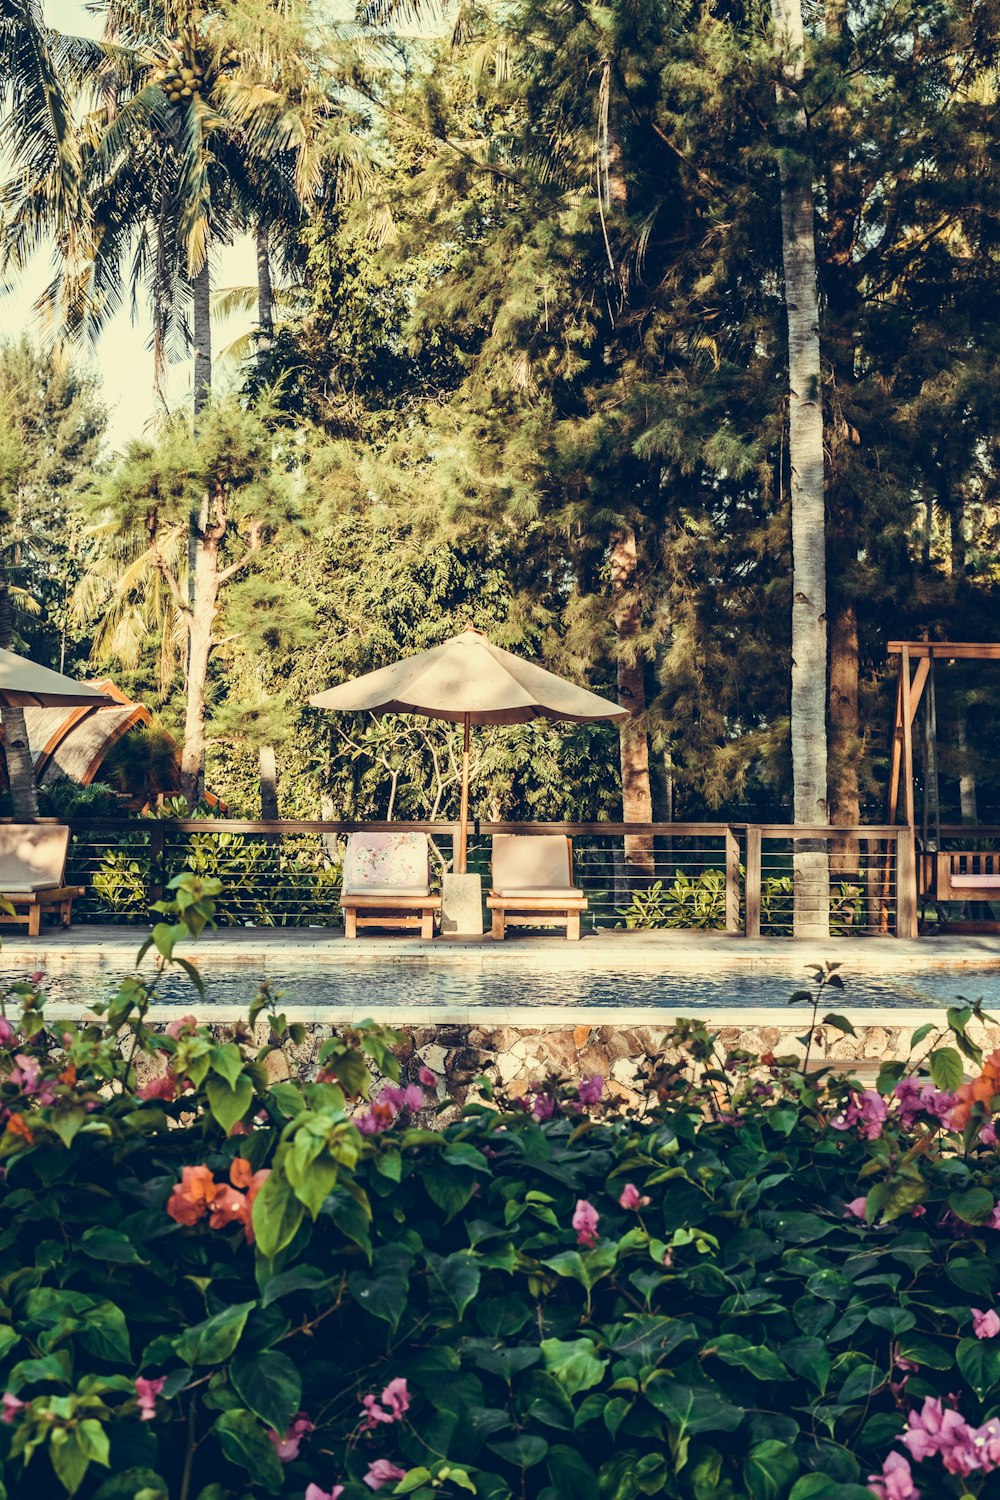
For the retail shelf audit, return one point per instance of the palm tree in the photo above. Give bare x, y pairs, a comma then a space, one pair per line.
805, 448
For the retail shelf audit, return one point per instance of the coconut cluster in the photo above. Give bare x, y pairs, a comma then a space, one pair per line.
185, 75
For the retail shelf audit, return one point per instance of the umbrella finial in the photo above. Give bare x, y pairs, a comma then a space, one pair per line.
480, 633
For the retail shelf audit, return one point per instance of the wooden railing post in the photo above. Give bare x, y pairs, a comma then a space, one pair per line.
906, 884
751, 925
732, 881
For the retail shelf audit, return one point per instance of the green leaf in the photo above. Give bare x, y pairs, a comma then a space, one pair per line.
105, 1333
573, 1364
524, 1451
383, 1293
449, 1187
769, 1470
840, 1022
269, 1385
101, 1243
972, 1206
979, 1362
894, 1320
690, 1409
277, 1214
228, 1105
760, 1361
227, 1061
457, 1275
571, 1475
301, 1279
131, 1483
946, 1068
821, 1487
214, 1341
921, 1033
244, 1442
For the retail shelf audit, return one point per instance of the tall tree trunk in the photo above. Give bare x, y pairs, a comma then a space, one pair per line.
966, 774
201, 622
637, 797
268, 766
265, 288
201, 292
805, 444
845, 740
20, 767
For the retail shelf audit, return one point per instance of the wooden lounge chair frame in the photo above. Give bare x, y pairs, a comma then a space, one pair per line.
28, 905
387, 908
961, 875
561, 908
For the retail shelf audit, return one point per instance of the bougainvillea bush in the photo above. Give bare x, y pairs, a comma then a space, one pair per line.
765, 1282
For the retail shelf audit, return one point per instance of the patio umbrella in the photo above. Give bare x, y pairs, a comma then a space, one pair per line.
24, 684
468, 681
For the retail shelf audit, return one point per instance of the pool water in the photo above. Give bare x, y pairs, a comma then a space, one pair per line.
403, 986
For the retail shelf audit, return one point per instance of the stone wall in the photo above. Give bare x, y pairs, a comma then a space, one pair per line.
515, 1055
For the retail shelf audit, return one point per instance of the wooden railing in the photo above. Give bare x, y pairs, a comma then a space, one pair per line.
286, 871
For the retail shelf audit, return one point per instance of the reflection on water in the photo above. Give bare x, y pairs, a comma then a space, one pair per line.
378, 986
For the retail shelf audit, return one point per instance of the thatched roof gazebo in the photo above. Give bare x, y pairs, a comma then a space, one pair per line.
73, 743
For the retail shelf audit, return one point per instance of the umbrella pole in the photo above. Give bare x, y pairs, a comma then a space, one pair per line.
463, 832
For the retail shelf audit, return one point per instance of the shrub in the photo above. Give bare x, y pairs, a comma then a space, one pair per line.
698, 902
759, 1283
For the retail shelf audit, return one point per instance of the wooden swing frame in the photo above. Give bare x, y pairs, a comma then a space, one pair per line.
942, 875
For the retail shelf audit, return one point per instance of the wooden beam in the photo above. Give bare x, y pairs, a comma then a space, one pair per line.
732, 881
918, 684
908, 809
947, 650
897, 752
751, 910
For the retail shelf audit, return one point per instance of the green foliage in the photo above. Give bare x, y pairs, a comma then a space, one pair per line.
221, 1286
699, 902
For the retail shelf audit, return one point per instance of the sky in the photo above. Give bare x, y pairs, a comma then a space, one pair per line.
121, 360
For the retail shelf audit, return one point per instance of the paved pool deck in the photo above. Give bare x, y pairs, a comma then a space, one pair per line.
277, 953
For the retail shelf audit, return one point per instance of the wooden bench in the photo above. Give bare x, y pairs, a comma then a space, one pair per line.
32, 870
387, 883
533, 884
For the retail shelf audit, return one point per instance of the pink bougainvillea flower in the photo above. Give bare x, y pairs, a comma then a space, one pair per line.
866, 1109
855, 1209
6, 1031
543, 1107
395, 1401
162, 1087
589, 1090
585, 1221
383, 1472
287, 1444
178, 1028
895, 1481
146, 1392
193, 1196
313, 1492
24, 1073
427, 1077
631, 1197
988, 1135
916, 1098
380, 1114
985, 1325
11, 1406
942, 1431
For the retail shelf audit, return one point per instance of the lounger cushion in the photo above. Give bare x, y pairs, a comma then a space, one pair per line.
32, 856
976, 882
538, 891
387, 864
28, 887
531, 862
387, 890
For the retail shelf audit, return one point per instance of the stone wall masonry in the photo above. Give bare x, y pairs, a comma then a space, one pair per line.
514, 1056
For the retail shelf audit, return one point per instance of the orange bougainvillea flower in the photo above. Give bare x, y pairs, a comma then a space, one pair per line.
228, 1207
242, 1175
193, 1196
18, 1125
977, 1091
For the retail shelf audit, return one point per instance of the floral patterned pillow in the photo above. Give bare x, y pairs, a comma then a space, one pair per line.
387, 861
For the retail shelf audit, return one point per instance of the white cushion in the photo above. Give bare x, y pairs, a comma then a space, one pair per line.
535, 862
549, 892
389, 890
980, 882
32, 855
26, 887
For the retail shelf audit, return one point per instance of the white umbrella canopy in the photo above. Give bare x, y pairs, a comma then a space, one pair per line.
466, 680
24, 684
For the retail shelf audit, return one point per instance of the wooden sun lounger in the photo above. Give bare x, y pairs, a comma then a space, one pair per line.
959, 875
32, 869
533, 884
387, 883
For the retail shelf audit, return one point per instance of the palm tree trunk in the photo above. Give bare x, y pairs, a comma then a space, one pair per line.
20, 767
805, 443
204, 607
637, 797
201, 293
265, 288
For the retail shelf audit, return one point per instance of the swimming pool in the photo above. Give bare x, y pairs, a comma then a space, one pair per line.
399, 987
